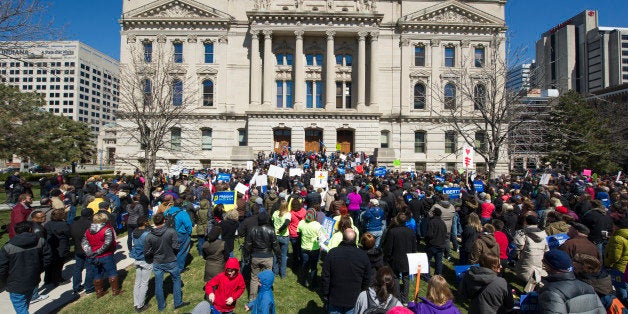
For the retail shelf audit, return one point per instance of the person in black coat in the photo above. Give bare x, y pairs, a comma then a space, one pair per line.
77, 231
58, 238
436, 239
229, 226
399, 241
346, 272
600, 225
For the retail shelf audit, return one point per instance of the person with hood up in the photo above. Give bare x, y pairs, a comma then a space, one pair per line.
438, 300
329, 198
380, 294
488, 293
264, 303
448, 211
143, 269
272, 202
530, 244
600, 225
99, 245
213, 253
225, 288
484, 244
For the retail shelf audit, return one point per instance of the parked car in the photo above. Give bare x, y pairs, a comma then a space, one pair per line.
10, 170
41, 169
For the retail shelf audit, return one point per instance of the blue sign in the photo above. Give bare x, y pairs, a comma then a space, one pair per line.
452, 192
341, 171
478, 186
461, 269
201, 176
380, 172
441, 179
556, 240
225, 197
224, 177
185, 171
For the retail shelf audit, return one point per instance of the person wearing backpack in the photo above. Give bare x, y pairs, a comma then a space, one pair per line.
178, 219
379, 297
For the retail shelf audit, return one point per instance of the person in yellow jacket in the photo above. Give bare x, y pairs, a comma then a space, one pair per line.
99, 198
616, 258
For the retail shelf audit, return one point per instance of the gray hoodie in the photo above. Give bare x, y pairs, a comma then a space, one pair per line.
161, 246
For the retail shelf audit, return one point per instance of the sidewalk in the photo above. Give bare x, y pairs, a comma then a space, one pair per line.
62, 295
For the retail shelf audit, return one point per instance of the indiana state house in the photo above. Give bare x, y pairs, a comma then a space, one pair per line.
337, 75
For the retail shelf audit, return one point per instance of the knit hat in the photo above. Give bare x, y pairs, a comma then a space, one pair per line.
87, 212
374, 202
310, 216
561, 209
259, 201
558, 260
581, 228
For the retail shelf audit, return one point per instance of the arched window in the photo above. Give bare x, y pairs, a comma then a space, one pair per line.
208, 93
419, 96
419, 142
479, 97
177, 92
450, 96
148, 92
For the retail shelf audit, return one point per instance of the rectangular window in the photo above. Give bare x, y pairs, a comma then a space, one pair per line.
209, 52
206, 141
242, 137
419, 56
479, 57
419, 142
319, 94
175, 139
288, 59
480, 141
279, 57
309, 59
338, 95
347, 92
177, 93
384, 139
309, 94
178, 52
279, 94
288, 90
450, 142
319, 59
450, 57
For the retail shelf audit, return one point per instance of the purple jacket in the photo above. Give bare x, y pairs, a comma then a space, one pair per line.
354, 201
427, 307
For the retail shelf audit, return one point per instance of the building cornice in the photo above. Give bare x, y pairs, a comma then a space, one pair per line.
315, 18
312, 115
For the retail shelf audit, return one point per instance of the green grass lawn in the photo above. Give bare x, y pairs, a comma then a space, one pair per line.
290, 297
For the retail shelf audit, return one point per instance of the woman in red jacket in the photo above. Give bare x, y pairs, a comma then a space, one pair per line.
225, 288
99, 245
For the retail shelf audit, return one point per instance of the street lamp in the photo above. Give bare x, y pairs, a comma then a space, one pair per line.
100, 154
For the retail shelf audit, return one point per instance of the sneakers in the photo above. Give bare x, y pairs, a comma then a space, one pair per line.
182, 305
40, 298
142, 309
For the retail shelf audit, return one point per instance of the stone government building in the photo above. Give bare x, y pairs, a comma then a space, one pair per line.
347, 74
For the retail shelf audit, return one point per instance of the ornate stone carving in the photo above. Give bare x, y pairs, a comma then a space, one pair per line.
130, 39
404, 42
177, 11
330, 5
267, 33
330, 34
298, 4
254, 32
192, 38
161, 38
261, 4
362, 35
374, 35
223, 39
299, 33
465, 43
435, 42
450, 16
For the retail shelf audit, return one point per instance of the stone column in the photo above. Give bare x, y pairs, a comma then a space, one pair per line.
330, 72
299, 71
256, 69
374, 73
269, 66
404, 45
361, 68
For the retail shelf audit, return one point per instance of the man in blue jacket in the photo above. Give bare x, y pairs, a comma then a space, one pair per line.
373, 220
182, 224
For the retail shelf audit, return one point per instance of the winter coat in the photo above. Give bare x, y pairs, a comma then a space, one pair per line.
265, 301
427, 307
530, 245
469, 235
22, 260
135, 210
398, 242
436, 233
373, 219
329, 198
563, 293
224, 287
229, 228
601, 282
213, 253
295, 218
557, 227
487, 209
579, 244
448, 210
160, 246
362, 303
616, 252
182, 221
99, 240
597, 220
346, 272
376, 257
355, 201
77, 231
58, 238
485, 244
502, 241
488, 292
202, 219
19, 213
139, 240
271, 203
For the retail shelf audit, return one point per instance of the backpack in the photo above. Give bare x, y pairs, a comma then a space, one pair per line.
374, 308
170, 223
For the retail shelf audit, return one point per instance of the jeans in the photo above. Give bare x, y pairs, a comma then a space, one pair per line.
309, 267
106, 267
184, 249
279, 267
340, 309
175, 274
129, 238
80, 262
71, 214
142, 276
296, 252
404, 287
199, 245
378, 236
437, 253
20, 302
258, 264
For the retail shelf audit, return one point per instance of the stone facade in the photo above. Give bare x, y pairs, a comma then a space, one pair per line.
311, 74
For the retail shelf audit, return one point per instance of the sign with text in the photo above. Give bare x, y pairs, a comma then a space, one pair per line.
586, 172
241, 188
467, 157
380, 172
320, 179
249, 165
225, 197
261, 180
545, 179
452, 192
556, 240
295, 172
224, 177
349, 176
328, 227
478, 186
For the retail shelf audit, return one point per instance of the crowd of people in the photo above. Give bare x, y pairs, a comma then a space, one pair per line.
495, 226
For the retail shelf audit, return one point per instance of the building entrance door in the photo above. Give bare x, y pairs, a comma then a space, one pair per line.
344, 138
313, 140
282, 140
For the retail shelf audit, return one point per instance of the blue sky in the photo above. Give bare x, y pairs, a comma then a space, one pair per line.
95, 22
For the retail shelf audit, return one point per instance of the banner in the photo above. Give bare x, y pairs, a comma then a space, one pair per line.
452, 192
201, 176
224, 177
241, 188
328, 227
277, 172
556, 240
185, 171
225, 197
380, 172
441, 179
320, 179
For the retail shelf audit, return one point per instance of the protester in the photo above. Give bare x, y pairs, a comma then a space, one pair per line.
77, 230
264, 303
20, 212
578, 242
99, 245
616, 258
213, 253
260, 248
488, 293
380, 294
436, 240
470, 233
281, 220
229, 226
58, 238
309, 231
297, 213
485, 244
183, 227
225, 289
438, 299
400, 241
143, 269
530, 244
375, 255
373, 220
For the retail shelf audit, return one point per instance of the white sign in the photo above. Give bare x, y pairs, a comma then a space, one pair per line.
295, 172
343, 157
467, 157
618, 176
416, 259
241, 188
358, 159
349, 176
261, 180
545, 179
249, 165
276, 172
320, 179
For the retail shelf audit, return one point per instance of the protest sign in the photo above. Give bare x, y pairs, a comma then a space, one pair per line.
349, 176
320, 179
328, 228
295, 172
396, 162
467, 157
249, 165
478, 186
586, 172
545, 179
225, 197
241, 188
556, 240
414, 259
224, 177
452, 192
380, 172
277, 172
261, 180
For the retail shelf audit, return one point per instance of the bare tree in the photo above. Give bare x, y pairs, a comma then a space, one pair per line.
476, 103
156, 95
24, 21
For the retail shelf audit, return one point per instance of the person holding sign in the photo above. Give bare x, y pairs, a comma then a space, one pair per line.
438, 299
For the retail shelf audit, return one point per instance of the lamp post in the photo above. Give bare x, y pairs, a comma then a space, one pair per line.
100, 154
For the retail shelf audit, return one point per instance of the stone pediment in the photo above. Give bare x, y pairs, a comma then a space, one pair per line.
449, 14
176, 9
207, 71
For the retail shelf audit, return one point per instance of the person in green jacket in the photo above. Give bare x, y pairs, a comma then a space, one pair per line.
616, 257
